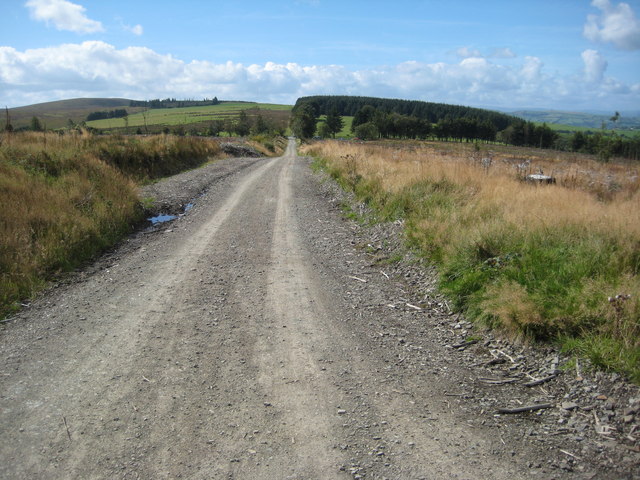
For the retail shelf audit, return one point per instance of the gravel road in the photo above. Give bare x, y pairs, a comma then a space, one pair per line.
253, 337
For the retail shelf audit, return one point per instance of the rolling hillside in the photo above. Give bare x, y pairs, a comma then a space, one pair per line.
53, 115
194, 115
57, 114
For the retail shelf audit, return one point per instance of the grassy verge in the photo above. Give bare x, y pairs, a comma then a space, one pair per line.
269, 145
66, 198
557, 262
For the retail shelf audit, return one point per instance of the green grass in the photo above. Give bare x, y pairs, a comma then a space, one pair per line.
346, 128
186, 115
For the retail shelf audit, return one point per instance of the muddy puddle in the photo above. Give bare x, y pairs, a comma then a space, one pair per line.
158, 220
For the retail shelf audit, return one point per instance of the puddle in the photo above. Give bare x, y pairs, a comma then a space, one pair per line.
161, 219
166, 217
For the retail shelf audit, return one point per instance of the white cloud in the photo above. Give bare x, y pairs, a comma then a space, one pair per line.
98, 69
466, 52
616, 24
502, 53
594, 66
531, 70
63, 15
136, 29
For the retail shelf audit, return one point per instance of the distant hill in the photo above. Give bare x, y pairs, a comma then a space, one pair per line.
57, 114
578, 119
54, 115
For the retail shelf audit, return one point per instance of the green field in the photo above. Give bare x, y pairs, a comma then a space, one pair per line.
579, 119
186, 115
346, 128
570, 129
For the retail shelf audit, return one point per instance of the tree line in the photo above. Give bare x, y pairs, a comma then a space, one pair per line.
375, 118
242, 125
173, 103
604, 144
117, 113
430, 111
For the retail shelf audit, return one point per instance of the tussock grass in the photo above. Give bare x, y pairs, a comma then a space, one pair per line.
541, 262
65, 198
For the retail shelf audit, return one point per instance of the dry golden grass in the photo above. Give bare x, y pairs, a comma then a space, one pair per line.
67, 197
540, 260
499, 186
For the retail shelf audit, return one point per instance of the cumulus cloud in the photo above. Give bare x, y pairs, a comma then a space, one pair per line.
466, 52
63, 15
136, 29
98, 69
594, 66
502, 53
616, 24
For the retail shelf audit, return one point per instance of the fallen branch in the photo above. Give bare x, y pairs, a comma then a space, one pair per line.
539, 381
359, 279
570, 454
529, 408
508, 356
495, 361
465, 343
413, 306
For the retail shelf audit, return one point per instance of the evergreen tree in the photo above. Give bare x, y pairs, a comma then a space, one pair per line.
363, 115
260, 126
36, 126
367, 131
242, 127
324, 130
334, 122
303, 121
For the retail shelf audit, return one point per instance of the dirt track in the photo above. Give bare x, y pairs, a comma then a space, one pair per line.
247, 339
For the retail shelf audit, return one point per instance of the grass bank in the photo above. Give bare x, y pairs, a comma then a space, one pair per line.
66, 198
554, 262
269, 145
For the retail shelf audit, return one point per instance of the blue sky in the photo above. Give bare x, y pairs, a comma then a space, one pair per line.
560, 54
